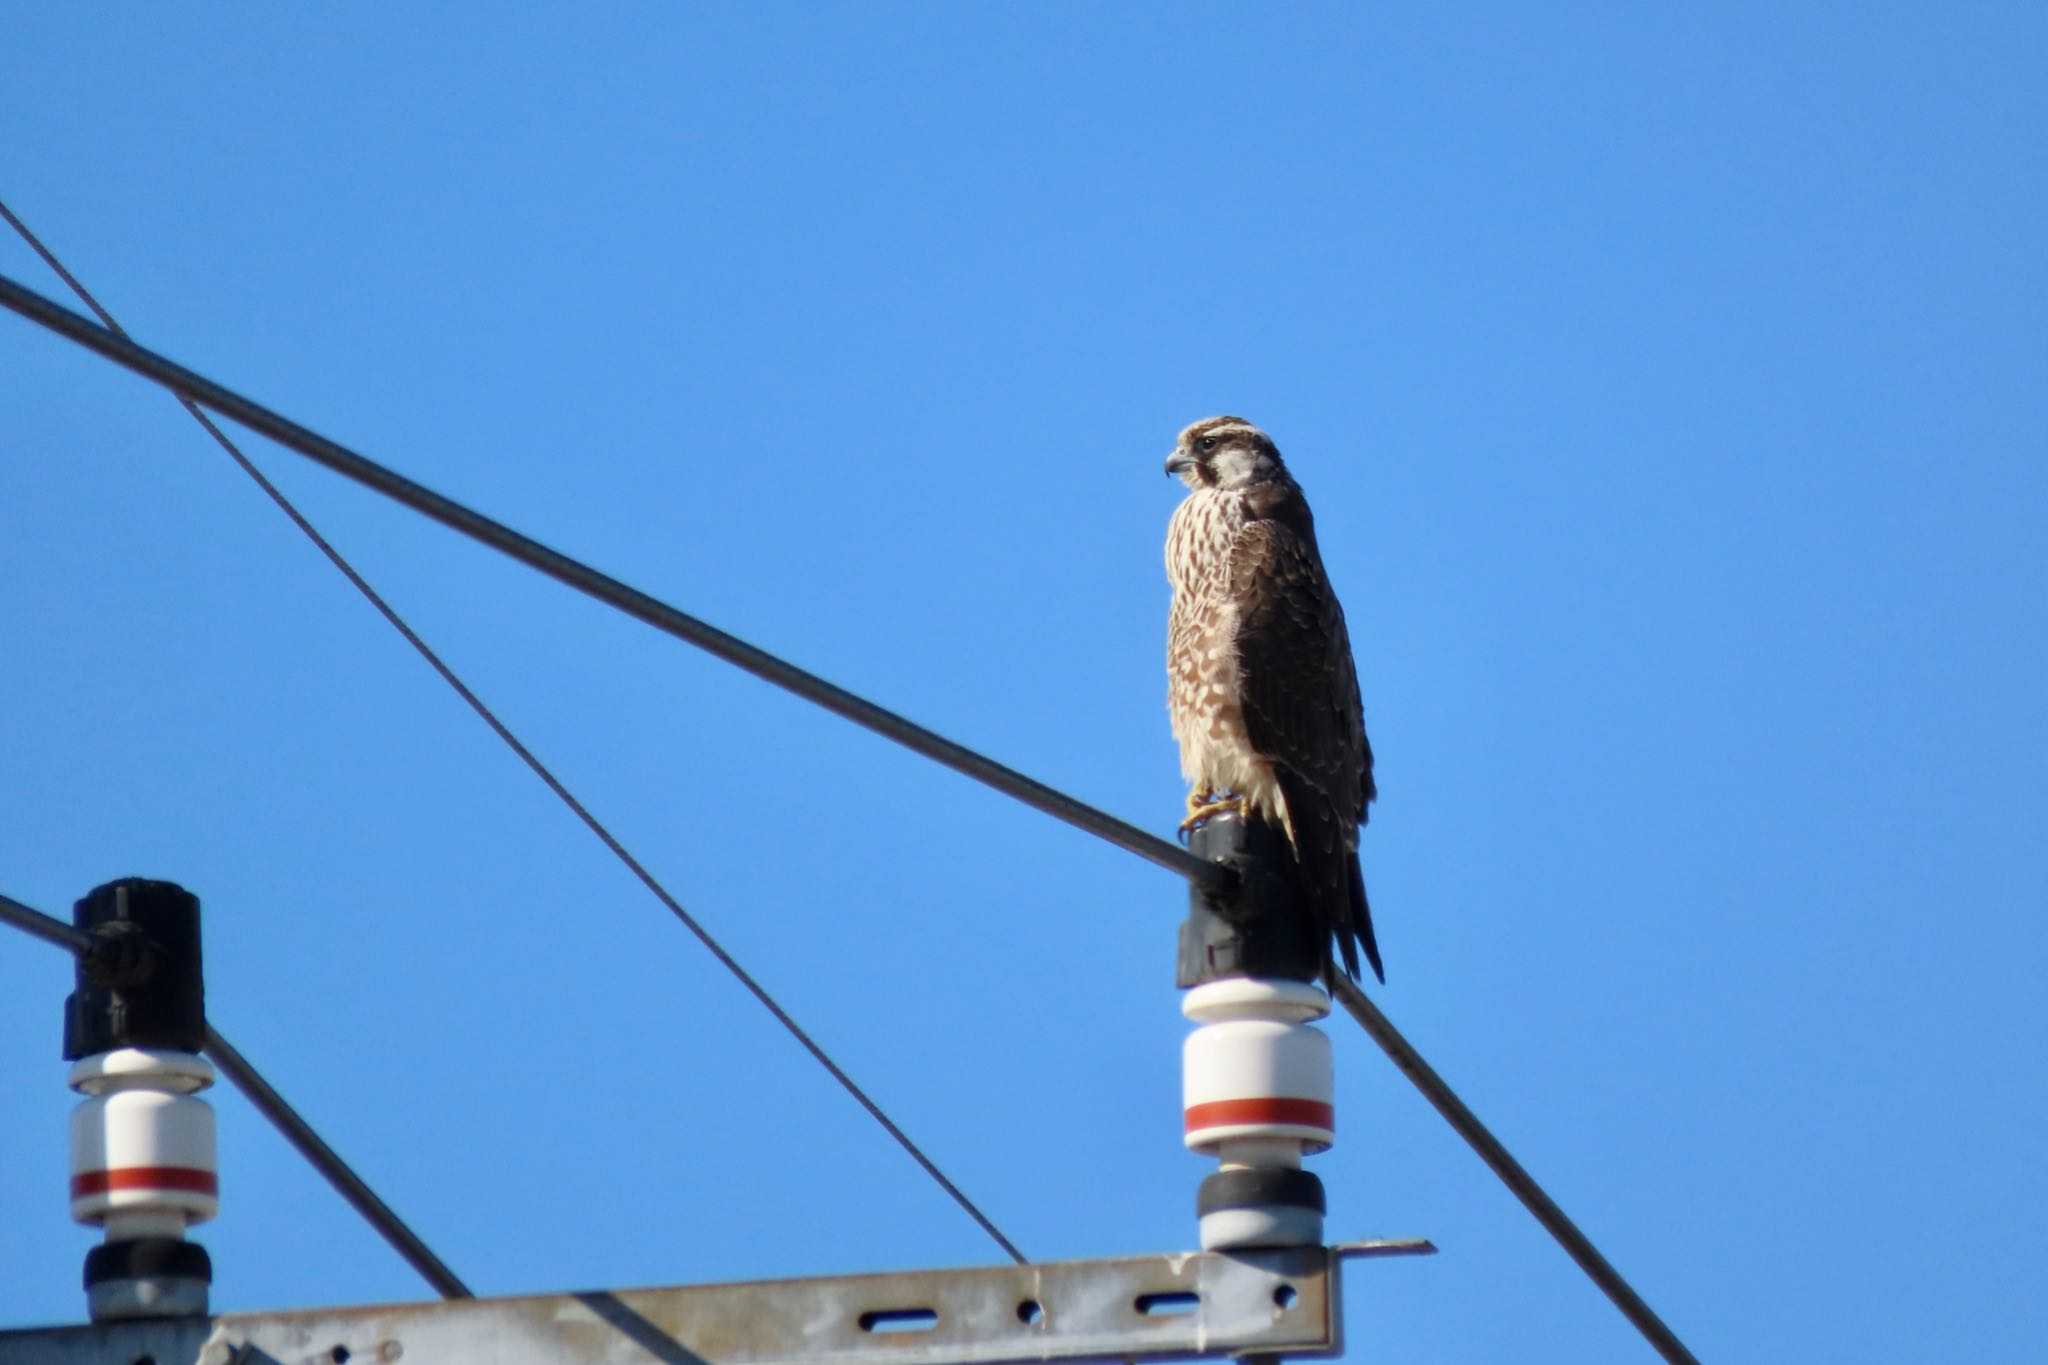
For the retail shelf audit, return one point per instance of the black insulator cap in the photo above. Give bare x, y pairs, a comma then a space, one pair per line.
1259, 1187
1261, 927
148, 1258
140, 986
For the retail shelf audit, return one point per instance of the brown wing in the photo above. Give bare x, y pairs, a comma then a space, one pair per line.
1298, 690
1298, 686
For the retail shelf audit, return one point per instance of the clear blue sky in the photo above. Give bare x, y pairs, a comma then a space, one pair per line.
1669, 386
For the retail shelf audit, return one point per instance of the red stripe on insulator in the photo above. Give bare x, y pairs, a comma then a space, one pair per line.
1221, 1113
145, 1178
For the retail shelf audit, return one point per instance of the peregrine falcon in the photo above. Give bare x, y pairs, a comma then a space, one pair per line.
1261, 687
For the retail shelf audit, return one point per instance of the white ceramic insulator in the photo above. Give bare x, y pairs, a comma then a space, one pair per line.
1254, 997
142, 1144
1258, 1071
1257, 1152
187, 1073
130, 1224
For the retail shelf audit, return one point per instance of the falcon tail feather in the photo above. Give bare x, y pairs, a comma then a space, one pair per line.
1361, 927
1331, 877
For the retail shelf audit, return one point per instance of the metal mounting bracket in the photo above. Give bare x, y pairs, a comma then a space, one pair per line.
1184, 1306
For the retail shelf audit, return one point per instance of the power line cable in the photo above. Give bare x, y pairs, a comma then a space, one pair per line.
546, 775
48, 928
346, 1182
1214, 878
160, 369
272, 1106
1503, 1164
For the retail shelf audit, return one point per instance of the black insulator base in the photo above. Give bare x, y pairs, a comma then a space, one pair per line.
141, 985
148, 1258
1259, 1187
1263, 926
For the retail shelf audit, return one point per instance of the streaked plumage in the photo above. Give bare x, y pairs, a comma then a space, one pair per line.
1261, 686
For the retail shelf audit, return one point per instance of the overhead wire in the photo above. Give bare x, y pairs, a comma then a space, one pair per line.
301, 1135
603, 587
546, 774
1520, 1183
1210, 877
273, 1106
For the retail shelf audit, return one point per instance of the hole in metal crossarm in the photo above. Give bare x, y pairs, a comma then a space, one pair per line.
1030, 1312
339, 1355
899, 1320
1286, 1296
1162, 1305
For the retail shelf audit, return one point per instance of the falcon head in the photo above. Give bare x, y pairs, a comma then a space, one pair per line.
1226, 453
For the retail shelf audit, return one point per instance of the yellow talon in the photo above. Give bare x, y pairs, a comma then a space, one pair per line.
1202, 806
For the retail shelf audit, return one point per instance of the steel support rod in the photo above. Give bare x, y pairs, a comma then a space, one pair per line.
159, 369
1503, 1164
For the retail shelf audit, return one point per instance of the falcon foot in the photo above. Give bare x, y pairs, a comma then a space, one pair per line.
1203, 805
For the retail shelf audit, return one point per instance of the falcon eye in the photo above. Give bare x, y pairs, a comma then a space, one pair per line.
1206, 444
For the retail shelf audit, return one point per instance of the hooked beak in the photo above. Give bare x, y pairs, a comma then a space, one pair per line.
1179, 460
